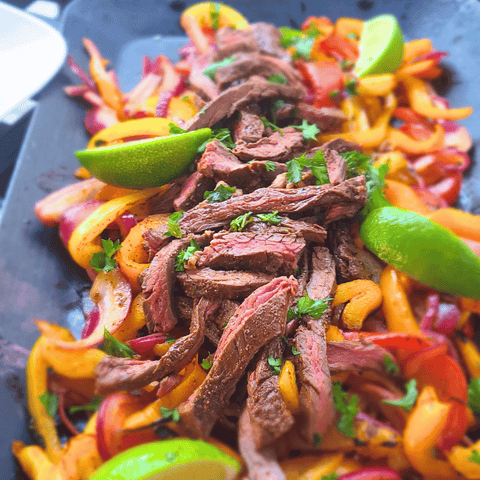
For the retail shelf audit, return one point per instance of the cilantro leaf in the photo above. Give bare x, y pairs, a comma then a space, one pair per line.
113, 347
308, 306
270, 166
271, 218
104, 261
267, 123
220, 194
173, 226
348, 410
275, 365
317, 165
278, 78
346, 65
330, 476
474, 395
184, 255
390, 365
185, 98
334, 94
223, 135
357, 162
239, 223
211, 70
352, 35
171, 415
309, 130
207, 362
294, 173
474, 457
91, 407
351, 87
317, 439
295, 351
50, 402
215, 15
301, 40
170, 339
174, 129
408, 401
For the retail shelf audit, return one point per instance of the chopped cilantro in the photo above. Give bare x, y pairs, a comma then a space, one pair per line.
184, 255
113, 347
172, 415
352, 35
267, 124
104, 261
348, 410
211, 70
351, 87
215, 15
408, 401
50, 402
186, 98
346, 64
220, 194
174, 129
239, 223
317, 165
308, 306
170, 339
390, 365
270, 166
278, 78
207, 362
334, 94
90, 407
474, 395
309, 130
330, 476
271, 218
317, 439
173, 226
295, 351
275, 365
302, 41
474, 457
223, 135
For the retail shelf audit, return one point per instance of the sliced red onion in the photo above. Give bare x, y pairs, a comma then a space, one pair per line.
74, 216
141, 92
440, 102
75, 90
126, 222
147, 65
91, 322
448, 318
144, 344
371, 474
436, 55
456, 136
81, 74
463, 159
98, 118
361, 416
431, 312
95, 99
162, 105
187, 50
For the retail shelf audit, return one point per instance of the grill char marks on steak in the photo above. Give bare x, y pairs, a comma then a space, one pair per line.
269, 415
268, 37
281, 146
192, 192
230, 41
333, 201
249, 128
259, 319
205, 282
235, 98
116, 374
326, 119
262, 252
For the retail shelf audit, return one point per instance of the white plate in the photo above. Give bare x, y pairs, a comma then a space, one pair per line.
31, 53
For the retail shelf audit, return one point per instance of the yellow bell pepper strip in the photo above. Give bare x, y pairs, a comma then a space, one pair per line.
85, 239
35, 462
106, 81
326, 465
50, 209
425, 424
80, 459
417, 68
407, 144
379, 85
82, 173
470, 354
348, 26
134, 321
151, 127
466, 460
294, 467
397, 162
36, 379
396, 307
91, 427
415, 48
287, 383
461, 223
180, 111
403, 196
227, 16
420, 102
333, 334
363, 297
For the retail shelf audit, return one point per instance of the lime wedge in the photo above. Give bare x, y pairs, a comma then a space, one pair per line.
381, 47
144, 163
179, 459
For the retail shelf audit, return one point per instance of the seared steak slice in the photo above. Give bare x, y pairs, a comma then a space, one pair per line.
230, 42
325, 118
316, 402
336, 166
215, 326
163, 202
334, 201
192, 191
353, 262
262, 252
269, 415
281, 146
341, 145
261, 464
249, 127
322, 283
206, 282
114, 374
235, 98
268, 39
346, 355
259, 319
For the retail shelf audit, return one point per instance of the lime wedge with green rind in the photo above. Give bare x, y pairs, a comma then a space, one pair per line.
422, 249
144, 163
381, 47
178, 459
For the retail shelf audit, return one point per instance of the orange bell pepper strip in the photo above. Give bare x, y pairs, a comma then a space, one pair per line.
460, 458
333, 334
364, 296
106, 81
425, 423
378, 85
414, 69
325, 465
346, 26
396, 307
461, 223
340, 45
412, 146
35, 462
403, 196
81, 458
287, 384
134, 321
420, 102
470, 355
415, 48
398, 165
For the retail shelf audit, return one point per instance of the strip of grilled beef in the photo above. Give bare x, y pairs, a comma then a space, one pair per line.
230, 42
269, 415
340, 145
268, 37
215, 326
327, 119
236, 97
352, 262
261, 252
114, 374
281, 146
261, 464
159, 282
205, 282
259, 319
192, 192
322, 283
333, 201
249, 128
163, 203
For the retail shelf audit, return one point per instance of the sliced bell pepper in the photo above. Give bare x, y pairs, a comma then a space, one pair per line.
340, 45
412, 146
379, 85
461, 223
403, 196
324, 466
134, 321
35, 462
417, 68
334, 334
415, 48
470, 355
347, 26
461, 459
287, 384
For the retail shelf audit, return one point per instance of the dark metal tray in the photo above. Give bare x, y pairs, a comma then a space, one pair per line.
37, 278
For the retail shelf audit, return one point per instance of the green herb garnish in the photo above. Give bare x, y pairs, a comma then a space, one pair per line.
113, 347
317, 165
308, 306
270, 166
211, 70
351, 87
170, 339
278, 78
173, 228
172, 415
408, 401
348, 410
104, 261
301, 40
50, 402
239, 223
474, 395
271, 218
267, 123
220, 194
215, 15
309, 130
474, 457
207, 362
317, 439
390, 365
275, 365
184, 255
295, 351
89, 407
223, 135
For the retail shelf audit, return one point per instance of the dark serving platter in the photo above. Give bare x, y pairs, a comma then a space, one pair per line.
37, 278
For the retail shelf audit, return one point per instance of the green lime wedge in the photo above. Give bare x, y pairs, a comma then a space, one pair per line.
381, 47
423, 250
178, 459
144, 163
